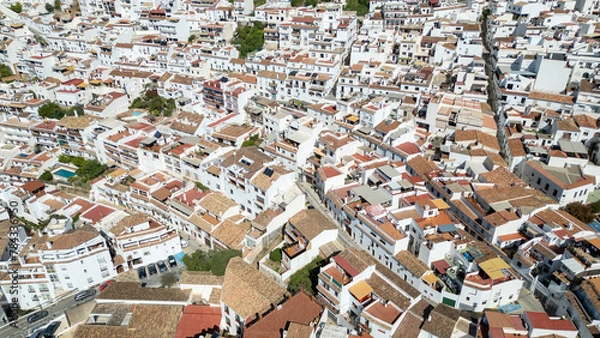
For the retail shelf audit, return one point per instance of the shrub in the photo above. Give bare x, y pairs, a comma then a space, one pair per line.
275, 255
215, 260
17, 8
46, 176
306, 278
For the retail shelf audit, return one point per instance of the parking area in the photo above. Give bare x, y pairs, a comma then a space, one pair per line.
154, 281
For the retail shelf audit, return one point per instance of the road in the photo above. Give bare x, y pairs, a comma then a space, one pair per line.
313, 198
56, 309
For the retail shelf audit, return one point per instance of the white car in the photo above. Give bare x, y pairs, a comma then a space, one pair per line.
184, 243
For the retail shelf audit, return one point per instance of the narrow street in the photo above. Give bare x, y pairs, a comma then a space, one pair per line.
55, 310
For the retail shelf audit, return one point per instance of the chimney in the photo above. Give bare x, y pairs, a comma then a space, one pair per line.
49, 244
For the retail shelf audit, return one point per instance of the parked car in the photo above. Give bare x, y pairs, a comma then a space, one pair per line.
162, 267
37, 316
105, 284
141, 272
152, 269
38, 329
84, 294
51, 329
37, 334
184, 243
172, 261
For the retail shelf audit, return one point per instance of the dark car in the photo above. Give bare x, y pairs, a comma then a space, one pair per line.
37, 316
51, 329
162, 267
152, 269
84, 294
141, 272
172, 261
37, 334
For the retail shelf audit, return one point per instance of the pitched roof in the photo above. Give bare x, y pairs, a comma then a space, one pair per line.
134, 291
300, 309
198, 320
249, 292
311, 223
157, 321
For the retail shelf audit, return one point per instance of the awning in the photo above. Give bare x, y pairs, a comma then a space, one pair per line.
95, 82
319, 152
441, 266
107, 81
82, 85
495, 268
352, 118
430, 278
361, 290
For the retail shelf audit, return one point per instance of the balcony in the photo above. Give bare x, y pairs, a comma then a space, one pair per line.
334, 278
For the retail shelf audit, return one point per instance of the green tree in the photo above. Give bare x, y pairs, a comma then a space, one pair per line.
51, 110
191, 38
248, 38
580, 211
306, 278
49, 7
5, 71
46, 176
40, 39
57, 5
258, 3
17, 8
154, 103
595, 207
252, 141
361, 7
275, 255
90, 170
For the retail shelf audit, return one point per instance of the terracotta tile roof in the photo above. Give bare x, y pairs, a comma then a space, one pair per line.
300, 309
502, 177
567, 125
97, 213
263, 181
311, 223
388, 292
422, 166
157, 321
133, 291
411, 263
516, 148
249, 292
586, 121
217, 203
442, 321
71, 238
198, 320
229, 234
200, 278
541, 320
551, 97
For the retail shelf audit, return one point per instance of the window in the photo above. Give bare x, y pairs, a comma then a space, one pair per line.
554, 193
547, 186
539, 180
